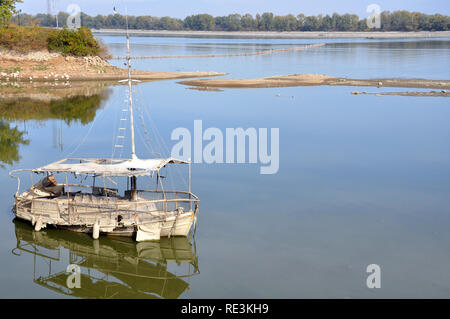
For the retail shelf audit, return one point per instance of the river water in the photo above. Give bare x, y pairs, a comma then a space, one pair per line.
362, 179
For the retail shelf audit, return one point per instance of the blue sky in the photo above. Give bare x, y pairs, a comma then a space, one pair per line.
183, 8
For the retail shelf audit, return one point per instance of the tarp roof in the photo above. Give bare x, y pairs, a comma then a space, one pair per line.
109, 167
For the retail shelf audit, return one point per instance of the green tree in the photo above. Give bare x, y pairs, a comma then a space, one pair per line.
168, 23
300, 21
285, 23
248, 23
401, 21
327, 22
311, 23
349, 22
395, 21
234, 22
201, 22
291, 22
7, 10
440, 22
267, 21
99, 21
86, 21
78, 42
386, 21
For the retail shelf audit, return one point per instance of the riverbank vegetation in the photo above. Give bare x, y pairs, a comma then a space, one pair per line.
23, 39
390, 21
7, 10
78, 42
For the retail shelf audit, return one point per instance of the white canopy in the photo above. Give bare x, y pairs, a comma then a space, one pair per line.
109, 167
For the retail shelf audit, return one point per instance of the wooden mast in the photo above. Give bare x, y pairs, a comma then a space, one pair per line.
130, 97
134, 194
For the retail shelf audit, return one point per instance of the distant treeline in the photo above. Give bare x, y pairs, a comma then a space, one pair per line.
390, 21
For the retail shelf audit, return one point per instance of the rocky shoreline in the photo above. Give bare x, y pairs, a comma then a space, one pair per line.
42, 66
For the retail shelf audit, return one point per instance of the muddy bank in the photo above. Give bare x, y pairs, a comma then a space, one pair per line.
203, 88
45, 66
442, 93
276, 35
315, 80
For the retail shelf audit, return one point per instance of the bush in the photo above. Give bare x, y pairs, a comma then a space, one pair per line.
24, 39
79, 42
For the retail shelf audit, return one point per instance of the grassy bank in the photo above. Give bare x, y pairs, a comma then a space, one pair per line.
34, 53
23, 39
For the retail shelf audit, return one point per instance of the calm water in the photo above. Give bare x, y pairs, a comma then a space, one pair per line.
362, 180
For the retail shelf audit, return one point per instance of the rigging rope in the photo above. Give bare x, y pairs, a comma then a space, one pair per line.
159, 141
86, 135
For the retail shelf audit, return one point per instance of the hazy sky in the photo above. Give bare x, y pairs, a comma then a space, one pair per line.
183, 8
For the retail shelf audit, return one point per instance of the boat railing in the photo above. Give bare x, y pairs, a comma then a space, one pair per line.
147, 194
171, 199
88, 213
90, 205
167, 194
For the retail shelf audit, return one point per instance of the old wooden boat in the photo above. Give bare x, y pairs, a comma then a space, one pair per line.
66, 195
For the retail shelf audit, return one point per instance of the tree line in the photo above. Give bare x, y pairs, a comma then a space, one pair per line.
390, 21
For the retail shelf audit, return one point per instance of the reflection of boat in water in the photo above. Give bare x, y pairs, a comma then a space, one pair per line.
110, 267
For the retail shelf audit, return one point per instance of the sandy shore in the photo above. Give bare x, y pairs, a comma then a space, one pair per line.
275, 35
442, 93
44, 66
314, 80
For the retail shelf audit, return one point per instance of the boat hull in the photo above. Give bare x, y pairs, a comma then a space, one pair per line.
168, 229
140, 225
